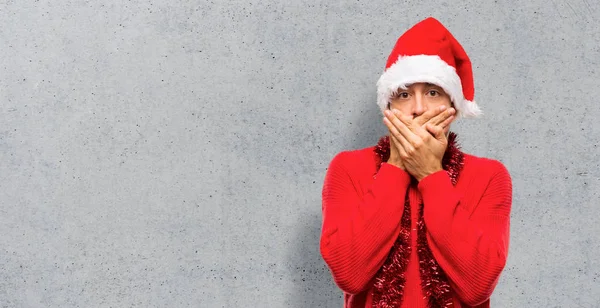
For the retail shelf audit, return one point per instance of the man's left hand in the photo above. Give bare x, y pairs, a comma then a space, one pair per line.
423, 147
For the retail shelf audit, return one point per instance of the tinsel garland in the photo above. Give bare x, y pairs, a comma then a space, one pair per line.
389, 282
392, 273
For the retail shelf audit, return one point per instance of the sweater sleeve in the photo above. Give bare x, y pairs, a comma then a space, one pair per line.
470, 246
359, 230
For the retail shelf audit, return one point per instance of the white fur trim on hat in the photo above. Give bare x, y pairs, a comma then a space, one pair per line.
424, 68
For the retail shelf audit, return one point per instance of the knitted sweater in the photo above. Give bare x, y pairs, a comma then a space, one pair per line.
467, 225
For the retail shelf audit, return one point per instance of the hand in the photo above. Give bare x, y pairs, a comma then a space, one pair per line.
422, 147
441, 116
395, 154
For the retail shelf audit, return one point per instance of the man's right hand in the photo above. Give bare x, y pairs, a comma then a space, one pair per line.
394, 154
440, 116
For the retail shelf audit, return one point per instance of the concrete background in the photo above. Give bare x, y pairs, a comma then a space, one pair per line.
172, 154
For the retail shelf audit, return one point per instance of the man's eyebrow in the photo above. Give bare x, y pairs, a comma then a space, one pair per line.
429, 84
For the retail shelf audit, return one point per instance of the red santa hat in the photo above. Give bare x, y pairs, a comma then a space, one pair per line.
428, 52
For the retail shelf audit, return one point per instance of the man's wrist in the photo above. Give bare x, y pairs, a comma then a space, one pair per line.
396, 163
426, 174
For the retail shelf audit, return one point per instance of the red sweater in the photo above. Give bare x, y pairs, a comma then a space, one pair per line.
467, 225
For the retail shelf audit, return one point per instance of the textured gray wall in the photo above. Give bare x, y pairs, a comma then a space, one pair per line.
164, 154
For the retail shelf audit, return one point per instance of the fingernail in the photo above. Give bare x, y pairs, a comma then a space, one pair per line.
442, 108
387, 112
396, 111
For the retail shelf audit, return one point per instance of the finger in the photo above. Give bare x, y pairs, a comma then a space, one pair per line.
405, 126
423, 134
447, 122
404, 123
429, 115
395, 113
410, 130
442, 116
394, 132
436, 131
397, 145
399, 121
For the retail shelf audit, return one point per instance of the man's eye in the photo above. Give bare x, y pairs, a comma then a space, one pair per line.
403, 95
433, 92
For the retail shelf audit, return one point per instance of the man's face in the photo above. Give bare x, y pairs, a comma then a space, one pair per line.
418, 98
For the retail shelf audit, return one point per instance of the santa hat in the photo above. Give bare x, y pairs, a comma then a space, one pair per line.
428, 52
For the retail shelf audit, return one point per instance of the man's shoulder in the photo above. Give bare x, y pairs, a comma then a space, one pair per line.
355, 158
484, 165
357, 154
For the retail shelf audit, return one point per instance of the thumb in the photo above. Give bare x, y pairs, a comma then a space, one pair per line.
436, 131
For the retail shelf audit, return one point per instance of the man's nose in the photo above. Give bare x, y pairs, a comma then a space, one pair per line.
419, 106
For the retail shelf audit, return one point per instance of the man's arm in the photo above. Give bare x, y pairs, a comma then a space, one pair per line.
358, 230
471, 247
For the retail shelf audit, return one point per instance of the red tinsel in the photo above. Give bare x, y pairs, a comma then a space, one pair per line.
392, 271
390, 280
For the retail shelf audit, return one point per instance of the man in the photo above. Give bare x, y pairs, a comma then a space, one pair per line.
413, 221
